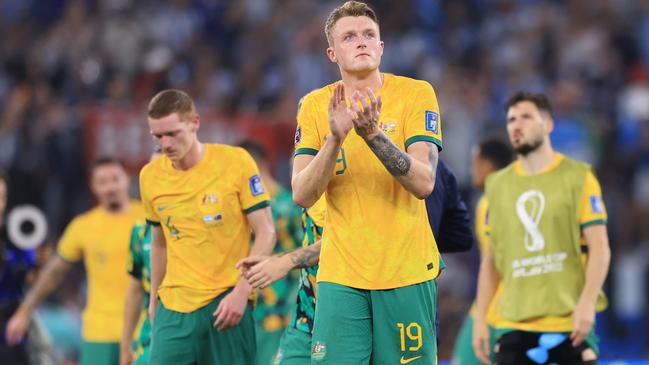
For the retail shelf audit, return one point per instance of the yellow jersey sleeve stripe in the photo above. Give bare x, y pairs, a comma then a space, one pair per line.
593, 223
257, 206
154, 223
306, 151
66, 259
420, 138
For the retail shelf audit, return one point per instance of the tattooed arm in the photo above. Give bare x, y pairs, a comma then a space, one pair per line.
414, 169
306, 256
261, 271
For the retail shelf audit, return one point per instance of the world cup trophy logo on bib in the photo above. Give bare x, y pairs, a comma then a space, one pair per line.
531, 217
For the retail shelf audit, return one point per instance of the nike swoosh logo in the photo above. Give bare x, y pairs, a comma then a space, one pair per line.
405, 361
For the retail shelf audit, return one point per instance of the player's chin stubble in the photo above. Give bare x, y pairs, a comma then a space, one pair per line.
527, 148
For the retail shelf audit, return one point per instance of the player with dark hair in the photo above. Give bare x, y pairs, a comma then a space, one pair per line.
545, 210
100, 238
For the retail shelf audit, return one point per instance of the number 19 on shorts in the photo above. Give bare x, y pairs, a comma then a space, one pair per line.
413, 333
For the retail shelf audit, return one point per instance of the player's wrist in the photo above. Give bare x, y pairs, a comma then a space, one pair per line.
336, 139
25, 309
371, 135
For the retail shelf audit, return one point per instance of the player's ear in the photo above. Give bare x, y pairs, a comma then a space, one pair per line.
332, 55
196, 122
549, 124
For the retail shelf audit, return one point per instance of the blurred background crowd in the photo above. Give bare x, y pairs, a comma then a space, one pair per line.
75, 76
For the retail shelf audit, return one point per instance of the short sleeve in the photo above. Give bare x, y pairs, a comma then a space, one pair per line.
591, 206
134, 263
147, 203
70, 246
252, 192
482, 227
307, 139
424, 122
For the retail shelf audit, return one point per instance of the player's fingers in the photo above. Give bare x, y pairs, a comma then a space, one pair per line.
366, 107
580, 335
484, 353
257, 279
373, 101
221, 319
219, 309
356, 110
247, 262
341, 93
379, 103
335, 98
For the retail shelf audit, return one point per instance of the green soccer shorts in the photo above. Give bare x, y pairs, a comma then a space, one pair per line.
393, 326
99, 353
294, 348
190, 338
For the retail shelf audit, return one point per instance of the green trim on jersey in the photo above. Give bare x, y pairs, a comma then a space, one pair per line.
257, 206
414, 139
593, 223
306, 151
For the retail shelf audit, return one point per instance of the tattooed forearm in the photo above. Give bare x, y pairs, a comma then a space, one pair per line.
396, 161
306, 257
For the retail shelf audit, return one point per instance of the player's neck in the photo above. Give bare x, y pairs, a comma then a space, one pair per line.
359, 82
537, 160
120, 208
192, 158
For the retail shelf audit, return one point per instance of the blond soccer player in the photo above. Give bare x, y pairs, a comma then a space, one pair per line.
370, 143
202, 200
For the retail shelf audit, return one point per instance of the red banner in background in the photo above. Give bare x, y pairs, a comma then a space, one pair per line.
122, 131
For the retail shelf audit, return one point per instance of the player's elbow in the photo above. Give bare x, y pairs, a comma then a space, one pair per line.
424, 190
302, 199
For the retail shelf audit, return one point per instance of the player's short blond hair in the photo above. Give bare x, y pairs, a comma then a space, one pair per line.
350, 8
171, 101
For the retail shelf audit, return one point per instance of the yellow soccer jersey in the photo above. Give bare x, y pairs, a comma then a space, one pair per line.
377, 234
481, 224
101, 239
592, 211
202, 212
481, 228
318, 212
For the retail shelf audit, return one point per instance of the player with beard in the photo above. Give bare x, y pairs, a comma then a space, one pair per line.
545, 212
100, 238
